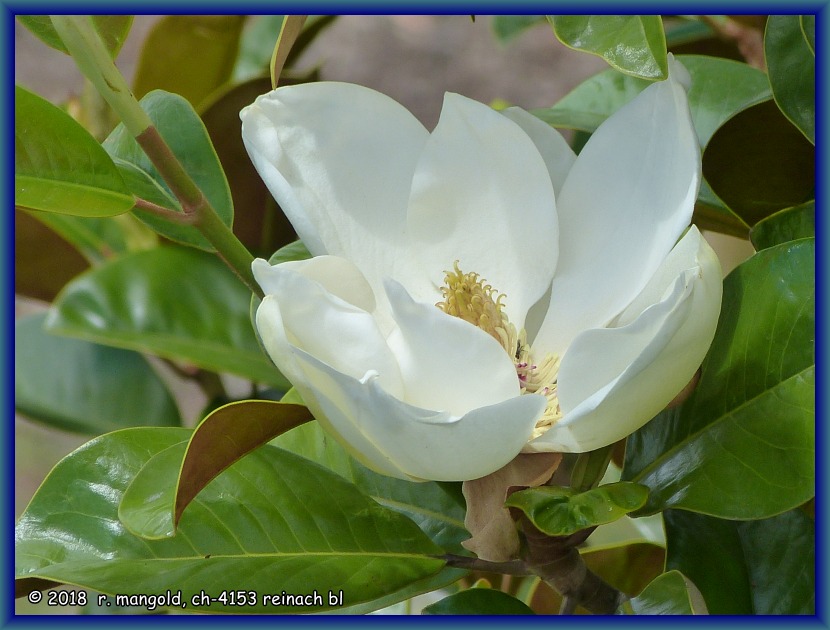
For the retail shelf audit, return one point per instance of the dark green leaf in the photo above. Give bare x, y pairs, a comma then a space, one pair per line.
758, 163
791, 64
225, 436
672, 593
561, 511
508, 27
763, 567
58, 166
191, 55
428, 504
633, 44
478, 601
85, 387
808, 28
271, 523
182, 129
742, 446
786, 225
178, 303
113, 30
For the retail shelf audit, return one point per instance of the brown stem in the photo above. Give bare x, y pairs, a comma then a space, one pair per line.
165, 213
558, 562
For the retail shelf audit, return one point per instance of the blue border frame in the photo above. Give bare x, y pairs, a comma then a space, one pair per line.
7, 13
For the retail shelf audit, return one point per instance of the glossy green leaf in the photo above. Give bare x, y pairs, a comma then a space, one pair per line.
720, 88
508, 27
763, 567
428, 504
113, 30
290, 30
182, 129
758, 163
562, 511
228, 434
785, 225
180, 304
273, 522
58, 166
791, 64
436, 510
742, 445
190, 55
672, 593
633, 44
478, 601
85, 387
808, 28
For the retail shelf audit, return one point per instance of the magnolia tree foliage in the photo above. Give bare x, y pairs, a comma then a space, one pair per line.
482, 363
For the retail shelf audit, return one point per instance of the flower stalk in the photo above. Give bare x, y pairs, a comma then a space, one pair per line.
92, 58
558, 562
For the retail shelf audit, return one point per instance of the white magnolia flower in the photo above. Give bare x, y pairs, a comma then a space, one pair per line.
479, 291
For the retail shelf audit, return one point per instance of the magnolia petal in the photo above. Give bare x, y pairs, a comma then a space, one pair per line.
338, 402
627, 199
336, 275
300, 312
482, 195
339, 160
612, 381
421, 443
554, 149
445, 362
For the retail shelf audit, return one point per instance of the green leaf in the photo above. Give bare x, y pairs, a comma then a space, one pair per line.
507, 27
742, 445
431, 505
428, 504
478, 601
786, 225
296, 250
255, 47
672, 593
633, 44
562, 511
272, 522
758, 163
81, 386
225, 436
180, 304
182, 129
791, 64
191, 55
763, 567
808, 28
59, 166
113, 30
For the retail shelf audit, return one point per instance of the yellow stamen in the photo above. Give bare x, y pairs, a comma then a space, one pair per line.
468, 297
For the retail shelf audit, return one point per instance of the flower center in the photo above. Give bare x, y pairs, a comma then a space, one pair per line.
467, 296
